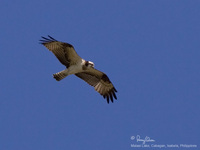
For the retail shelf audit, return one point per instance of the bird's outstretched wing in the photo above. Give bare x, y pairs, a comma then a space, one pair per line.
100, 82
63, 51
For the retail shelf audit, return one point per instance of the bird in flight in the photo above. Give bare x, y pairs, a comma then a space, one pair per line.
83, 69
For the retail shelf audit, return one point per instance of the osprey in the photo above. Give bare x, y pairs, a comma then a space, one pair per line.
83, 69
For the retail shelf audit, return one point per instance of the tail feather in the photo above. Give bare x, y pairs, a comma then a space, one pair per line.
60, 75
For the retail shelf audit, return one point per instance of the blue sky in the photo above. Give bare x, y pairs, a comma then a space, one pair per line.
149, 49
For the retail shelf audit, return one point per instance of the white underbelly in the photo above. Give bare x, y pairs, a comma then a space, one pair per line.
74, 69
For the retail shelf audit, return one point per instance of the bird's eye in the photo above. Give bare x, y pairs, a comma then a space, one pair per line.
86, 64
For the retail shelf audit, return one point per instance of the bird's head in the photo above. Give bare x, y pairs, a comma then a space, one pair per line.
89, 64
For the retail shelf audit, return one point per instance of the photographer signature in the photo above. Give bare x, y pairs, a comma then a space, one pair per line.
146, 139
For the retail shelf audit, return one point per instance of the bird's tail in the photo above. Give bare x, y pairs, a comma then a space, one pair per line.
60, 75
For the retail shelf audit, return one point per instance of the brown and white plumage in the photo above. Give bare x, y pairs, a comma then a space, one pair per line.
100, 82
63, 51
81, 68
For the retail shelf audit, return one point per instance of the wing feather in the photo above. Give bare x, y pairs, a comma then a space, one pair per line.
64, 52
100, 82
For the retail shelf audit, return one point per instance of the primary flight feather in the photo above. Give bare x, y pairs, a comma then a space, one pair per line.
81, 68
